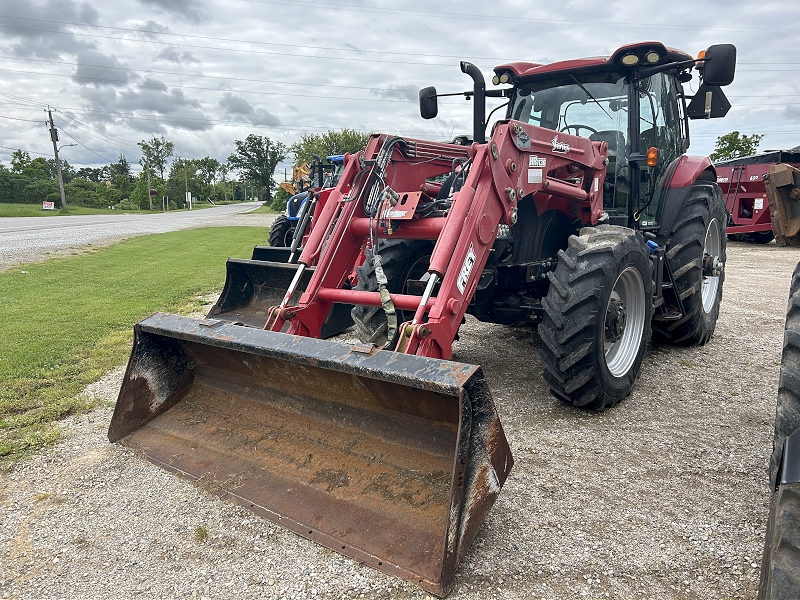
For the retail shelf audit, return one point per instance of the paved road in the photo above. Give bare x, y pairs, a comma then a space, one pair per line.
26, 239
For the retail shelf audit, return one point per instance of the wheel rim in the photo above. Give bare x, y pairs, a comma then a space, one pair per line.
712, 246
621, 354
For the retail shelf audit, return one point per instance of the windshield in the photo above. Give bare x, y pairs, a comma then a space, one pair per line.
586, 106
332, 178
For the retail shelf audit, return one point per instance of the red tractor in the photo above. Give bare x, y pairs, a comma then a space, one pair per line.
581, 213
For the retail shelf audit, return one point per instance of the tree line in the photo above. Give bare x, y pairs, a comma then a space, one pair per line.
249, 172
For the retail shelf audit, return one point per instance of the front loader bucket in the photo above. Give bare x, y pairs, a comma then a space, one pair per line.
253, 286
391, 459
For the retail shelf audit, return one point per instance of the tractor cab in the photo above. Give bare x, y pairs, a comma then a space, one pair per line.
634, 101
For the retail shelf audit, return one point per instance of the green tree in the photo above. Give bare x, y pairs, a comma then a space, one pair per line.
121, 167
140, 197
280, 200
90, 174
178, 179
209, 168
257, 157
328, 144
157, 151
20, 160
735, 145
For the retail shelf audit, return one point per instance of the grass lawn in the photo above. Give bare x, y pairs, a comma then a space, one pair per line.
8, 209
265, 209
68, 320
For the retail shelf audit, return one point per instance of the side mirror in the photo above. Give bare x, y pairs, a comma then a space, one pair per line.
720, 65
428, 104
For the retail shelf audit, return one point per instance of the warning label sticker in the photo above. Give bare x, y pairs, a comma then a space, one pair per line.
466, 269
534, 175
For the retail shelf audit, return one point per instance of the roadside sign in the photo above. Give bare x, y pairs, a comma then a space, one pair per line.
48, 205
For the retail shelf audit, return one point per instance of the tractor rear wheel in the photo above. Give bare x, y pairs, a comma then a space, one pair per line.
780, 566
597, 317
282, 232
695, 247
787, 411
402, 261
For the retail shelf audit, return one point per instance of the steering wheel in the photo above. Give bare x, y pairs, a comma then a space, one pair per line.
577, 127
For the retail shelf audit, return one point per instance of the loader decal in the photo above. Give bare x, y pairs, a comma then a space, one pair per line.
537, 161
466, 269
560, 146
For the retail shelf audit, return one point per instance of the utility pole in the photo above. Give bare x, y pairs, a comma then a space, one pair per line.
186, 182
54, 139
149, 189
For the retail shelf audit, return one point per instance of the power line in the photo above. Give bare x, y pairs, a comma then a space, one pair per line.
87, 147
205, 88
17, 119
243, 50
105, 137
511, 19
183, 74
246, 41
73, 162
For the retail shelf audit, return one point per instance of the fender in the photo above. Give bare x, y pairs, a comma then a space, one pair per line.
689, 169
686, 171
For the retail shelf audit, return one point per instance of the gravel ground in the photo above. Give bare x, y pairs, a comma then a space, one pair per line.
663, 496
22, 240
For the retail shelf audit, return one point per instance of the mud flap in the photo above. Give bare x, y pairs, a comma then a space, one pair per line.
391, 459
253, 286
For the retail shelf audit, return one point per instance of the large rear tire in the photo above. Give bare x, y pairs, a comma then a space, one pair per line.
402, 260
597, 317
282, 232
698, 235
780, 565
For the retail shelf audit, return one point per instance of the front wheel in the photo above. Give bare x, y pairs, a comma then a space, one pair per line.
404, 261
282, 232
597, 317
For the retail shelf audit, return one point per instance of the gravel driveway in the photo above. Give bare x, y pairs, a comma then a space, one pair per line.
663, 496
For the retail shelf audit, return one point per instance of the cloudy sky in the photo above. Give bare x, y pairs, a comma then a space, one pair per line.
207, 72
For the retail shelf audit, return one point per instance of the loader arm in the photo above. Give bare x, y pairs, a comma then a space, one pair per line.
520, 163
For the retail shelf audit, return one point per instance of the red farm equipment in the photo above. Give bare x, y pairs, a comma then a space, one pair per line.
581, 213
253, 286
752, 214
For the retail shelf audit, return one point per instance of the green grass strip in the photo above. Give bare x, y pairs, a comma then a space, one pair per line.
66, 321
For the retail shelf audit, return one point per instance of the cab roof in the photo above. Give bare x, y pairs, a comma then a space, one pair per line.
527, 70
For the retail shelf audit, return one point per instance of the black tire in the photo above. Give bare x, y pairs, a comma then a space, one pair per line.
702, 213
282, 232
582, 366
401, 260
780, 565
787, 411
758, 237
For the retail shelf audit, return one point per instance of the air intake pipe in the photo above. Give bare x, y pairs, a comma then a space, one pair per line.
479, 107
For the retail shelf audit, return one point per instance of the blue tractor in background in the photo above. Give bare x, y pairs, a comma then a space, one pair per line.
285, 226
